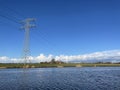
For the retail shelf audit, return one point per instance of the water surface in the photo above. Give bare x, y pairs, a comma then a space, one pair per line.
87, 78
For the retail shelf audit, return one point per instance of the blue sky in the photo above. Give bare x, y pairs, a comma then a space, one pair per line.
63, 27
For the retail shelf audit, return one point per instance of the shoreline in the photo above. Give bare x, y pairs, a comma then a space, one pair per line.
37, 65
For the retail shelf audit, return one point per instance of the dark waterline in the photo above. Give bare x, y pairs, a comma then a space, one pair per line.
87, 78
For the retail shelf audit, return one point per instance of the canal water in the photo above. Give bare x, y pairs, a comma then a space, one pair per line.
85, 78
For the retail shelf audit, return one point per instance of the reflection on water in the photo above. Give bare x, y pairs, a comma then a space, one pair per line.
99, 78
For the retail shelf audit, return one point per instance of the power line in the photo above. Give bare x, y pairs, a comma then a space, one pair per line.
12, 11
17, 13
11, 15
9, 18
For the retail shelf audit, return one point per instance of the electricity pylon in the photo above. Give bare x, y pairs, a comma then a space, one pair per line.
26, 50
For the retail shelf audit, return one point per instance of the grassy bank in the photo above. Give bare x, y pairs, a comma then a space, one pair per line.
37, 65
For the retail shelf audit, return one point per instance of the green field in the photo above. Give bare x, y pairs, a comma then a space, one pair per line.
38, 65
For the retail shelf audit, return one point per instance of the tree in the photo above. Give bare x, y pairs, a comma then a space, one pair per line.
53, 61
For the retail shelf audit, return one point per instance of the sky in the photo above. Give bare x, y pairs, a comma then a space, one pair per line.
63, 28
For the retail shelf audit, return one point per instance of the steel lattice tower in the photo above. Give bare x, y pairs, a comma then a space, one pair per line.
26, 50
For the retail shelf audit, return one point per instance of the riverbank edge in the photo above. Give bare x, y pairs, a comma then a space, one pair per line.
37, 65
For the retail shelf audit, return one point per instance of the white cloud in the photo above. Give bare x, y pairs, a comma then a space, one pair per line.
4, 59
112, 56
42, 58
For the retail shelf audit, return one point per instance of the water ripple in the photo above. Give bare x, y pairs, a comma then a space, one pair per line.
99, 78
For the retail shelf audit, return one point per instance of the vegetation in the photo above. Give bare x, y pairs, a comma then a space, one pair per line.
54, 63
38, 65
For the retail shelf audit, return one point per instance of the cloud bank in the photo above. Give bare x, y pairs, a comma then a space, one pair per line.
109, 56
